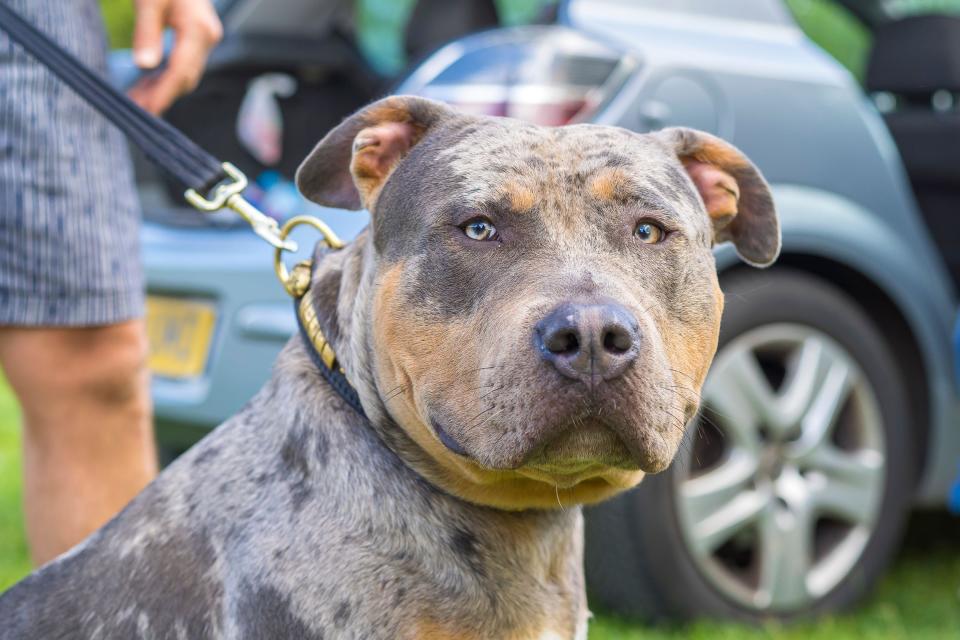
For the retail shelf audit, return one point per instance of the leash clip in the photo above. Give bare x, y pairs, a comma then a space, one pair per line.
296, 281
229, 195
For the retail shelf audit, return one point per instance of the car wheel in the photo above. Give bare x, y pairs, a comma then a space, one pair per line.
789, 493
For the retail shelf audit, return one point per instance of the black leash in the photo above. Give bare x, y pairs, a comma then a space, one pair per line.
162, 143
212, 185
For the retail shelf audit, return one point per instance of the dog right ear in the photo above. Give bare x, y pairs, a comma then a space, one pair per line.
348, 168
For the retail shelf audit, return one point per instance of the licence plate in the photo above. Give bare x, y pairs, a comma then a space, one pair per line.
180, 332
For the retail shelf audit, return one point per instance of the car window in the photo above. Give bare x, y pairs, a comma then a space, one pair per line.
768, 11
835, 30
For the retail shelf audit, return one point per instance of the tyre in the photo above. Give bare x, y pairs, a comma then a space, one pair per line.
790, 491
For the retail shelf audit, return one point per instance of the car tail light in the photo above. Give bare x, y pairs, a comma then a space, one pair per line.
548, 75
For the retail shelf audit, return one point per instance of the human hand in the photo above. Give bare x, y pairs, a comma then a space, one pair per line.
196, 28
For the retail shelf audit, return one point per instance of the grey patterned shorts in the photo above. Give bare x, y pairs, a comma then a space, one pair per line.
69, 215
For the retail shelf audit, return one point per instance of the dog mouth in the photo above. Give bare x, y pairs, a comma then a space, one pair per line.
583, 448
580, 446
563, 437
447, 440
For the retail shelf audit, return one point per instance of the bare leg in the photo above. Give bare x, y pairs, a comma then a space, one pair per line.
87, 438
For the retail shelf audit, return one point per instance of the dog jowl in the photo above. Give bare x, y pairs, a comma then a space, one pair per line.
527, 324
545, 304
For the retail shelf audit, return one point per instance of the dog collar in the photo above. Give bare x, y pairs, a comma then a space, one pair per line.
321, 351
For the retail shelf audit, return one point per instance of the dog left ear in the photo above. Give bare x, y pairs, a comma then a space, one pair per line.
734, 192
350, 165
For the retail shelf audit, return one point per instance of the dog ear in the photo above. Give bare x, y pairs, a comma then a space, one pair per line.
735, 194
350, 165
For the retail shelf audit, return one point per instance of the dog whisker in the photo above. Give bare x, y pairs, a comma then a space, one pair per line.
483, 386
684, 387
481, 369
678, 417
475, 423
685, 375
491, 391
500, 437
675, 389
393, 394
480, 414
749, 291
700, 399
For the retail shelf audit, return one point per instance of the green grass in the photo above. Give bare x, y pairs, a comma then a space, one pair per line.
13, 547
918, 599
835, 30
118, 18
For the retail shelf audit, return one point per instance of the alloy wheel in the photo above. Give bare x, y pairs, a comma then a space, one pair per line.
780, 486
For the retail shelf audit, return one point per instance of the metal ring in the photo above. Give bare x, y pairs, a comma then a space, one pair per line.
328, 237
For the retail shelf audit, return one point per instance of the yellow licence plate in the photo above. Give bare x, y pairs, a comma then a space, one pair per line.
180, 332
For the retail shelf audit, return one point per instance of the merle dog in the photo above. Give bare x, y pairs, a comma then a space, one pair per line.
527, 323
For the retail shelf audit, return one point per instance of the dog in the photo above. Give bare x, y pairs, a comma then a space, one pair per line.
525, 326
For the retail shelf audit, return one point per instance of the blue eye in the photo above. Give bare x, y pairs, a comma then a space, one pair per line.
480, 229
649, 233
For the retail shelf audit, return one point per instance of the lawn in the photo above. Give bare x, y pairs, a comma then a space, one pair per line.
13, 547
919, 598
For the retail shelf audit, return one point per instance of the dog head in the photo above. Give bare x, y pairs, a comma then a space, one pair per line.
544, 303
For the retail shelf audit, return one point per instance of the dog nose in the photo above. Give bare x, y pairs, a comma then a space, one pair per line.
589, 341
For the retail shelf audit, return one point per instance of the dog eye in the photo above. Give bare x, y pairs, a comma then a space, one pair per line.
649, 232
480, 229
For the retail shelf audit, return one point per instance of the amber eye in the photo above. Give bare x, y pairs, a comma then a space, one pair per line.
649, 232
480, 229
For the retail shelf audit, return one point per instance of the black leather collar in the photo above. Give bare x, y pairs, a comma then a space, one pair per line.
321, 351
